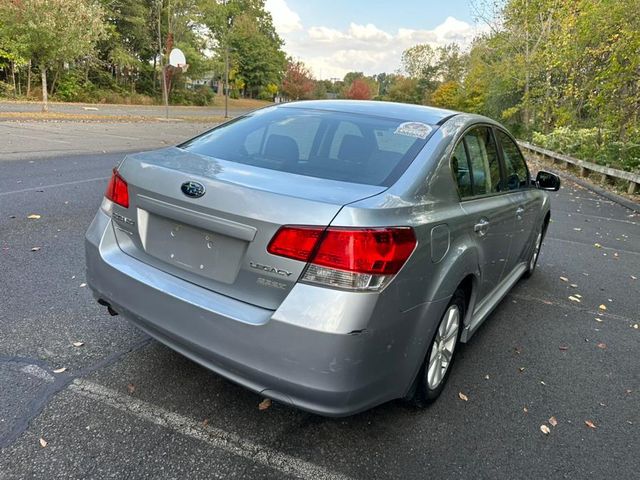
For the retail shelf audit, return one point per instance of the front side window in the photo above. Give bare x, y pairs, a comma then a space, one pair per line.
515, 167
483, 160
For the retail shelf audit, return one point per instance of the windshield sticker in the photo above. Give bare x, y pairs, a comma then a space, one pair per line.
413, 129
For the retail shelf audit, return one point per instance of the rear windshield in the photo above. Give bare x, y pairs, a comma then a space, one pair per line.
324, 144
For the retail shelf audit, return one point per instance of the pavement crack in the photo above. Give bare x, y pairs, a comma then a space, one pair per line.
60, 382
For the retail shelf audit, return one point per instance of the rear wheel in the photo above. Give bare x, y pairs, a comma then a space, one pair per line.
437, 365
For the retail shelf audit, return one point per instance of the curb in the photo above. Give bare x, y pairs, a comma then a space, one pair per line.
614, 197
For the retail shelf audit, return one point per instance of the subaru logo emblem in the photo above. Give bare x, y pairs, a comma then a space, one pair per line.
192, 189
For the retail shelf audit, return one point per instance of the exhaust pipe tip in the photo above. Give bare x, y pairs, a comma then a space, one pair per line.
110, 309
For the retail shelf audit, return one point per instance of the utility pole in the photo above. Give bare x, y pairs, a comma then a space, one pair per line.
165, 96
226, 64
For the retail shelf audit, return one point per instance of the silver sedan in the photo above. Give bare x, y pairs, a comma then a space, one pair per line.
327, 254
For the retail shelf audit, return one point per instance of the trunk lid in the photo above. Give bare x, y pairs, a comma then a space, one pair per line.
219, 240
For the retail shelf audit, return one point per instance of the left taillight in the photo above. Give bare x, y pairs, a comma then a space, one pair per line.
117, 190
363, 259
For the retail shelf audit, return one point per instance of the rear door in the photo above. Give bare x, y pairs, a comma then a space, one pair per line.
523, 196
489, 219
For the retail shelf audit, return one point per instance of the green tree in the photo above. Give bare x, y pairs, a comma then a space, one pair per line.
246, 29
50, 31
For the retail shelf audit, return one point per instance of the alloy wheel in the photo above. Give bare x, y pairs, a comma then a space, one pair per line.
443, 346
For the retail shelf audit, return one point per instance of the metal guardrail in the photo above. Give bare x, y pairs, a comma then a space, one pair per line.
606, 174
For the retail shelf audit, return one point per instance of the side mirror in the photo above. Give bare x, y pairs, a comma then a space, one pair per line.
547, 181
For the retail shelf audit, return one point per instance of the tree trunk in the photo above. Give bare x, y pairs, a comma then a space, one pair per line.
29, 80
45, 96
53, 84
13, 77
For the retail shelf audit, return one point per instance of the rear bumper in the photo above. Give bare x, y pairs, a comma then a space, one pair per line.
312, 366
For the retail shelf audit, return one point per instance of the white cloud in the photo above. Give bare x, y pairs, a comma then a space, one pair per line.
331, 53
284, 19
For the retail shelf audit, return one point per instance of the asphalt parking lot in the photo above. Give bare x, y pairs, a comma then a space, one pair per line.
127, 407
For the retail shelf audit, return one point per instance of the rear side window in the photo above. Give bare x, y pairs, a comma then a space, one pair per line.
324, 144
517, 174
483, 161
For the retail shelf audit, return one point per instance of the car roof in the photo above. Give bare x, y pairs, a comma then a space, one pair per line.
402, 111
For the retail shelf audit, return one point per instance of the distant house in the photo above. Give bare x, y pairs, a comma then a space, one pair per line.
209, 79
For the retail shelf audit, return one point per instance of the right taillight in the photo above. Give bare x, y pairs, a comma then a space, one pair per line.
117, 190
349, 258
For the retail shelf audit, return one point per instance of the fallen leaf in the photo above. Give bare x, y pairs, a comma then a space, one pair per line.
574, 285
579, 296
205, 422
544, 429
521, 369
547, 302
83, 285
564, 279
264, 404
633, 277
597, 245
78, 344
590, 424
574, 299
602, 345
635, 325
525, 410
34, 216
599, 320
602, 307
43, 442
628, 391
563, 347
60, 370
486, 377
542, 383
131, 388
603, 404
578, 229
463, 397
35, 249
553, 422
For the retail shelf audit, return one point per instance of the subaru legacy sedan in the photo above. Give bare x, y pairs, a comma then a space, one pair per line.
329, 255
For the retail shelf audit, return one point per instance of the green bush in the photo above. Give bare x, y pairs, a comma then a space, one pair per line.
6, 90
594, 145
200, 96
71, 87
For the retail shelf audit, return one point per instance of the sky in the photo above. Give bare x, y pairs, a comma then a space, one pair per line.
333, 37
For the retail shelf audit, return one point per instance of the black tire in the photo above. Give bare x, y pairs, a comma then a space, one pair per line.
535, 253
423, 392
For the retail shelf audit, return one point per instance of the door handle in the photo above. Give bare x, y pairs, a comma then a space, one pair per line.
481, 227
519, 213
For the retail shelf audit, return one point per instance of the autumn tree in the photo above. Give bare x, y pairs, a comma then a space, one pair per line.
359, 90
50, 31
297, 83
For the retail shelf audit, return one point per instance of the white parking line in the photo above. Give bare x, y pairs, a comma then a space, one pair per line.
38, 372
573, 242
55, 185
215, 437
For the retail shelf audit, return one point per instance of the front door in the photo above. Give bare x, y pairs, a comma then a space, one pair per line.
489, 216
523, 198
